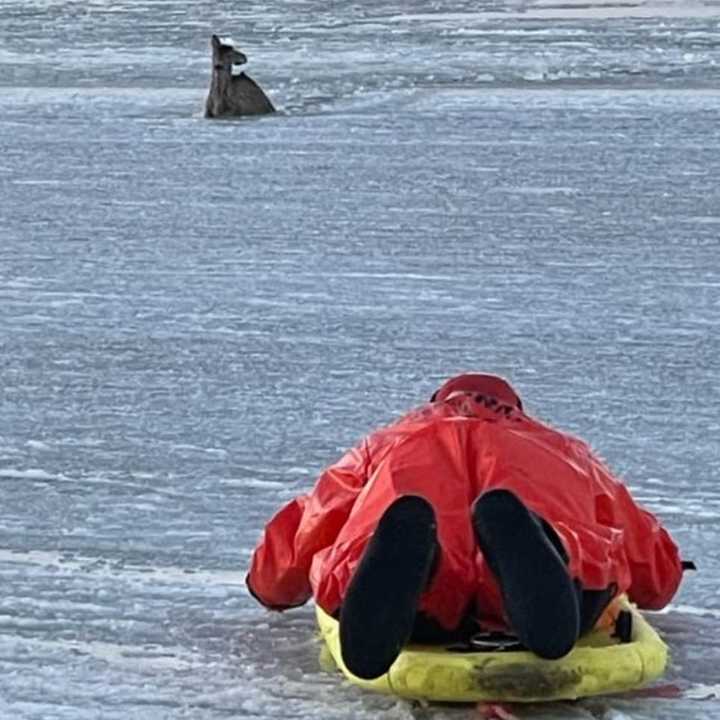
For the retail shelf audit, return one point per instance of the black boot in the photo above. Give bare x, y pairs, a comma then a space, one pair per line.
537, 590
378, 612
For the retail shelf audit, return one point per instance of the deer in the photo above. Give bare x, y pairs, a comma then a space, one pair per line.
233, 95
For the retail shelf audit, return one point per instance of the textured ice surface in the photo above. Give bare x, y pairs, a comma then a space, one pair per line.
196, 317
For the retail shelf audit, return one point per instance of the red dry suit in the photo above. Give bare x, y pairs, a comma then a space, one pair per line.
450, 451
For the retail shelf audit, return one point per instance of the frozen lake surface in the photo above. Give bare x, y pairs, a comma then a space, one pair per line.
197, 317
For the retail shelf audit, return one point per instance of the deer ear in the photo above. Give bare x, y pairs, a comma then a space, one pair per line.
215, 40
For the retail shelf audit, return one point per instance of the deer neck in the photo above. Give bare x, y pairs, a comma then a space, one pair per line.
221, 78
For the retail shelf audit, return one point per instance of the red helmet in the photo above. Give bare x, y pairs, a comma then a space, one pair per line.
491, 385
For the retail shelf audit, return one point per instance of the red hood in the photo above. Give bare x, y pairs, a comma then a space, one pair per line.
479, 383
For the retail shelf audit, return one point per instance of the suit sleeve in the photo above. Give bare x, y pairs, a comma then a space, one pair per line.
280, 567
654, 558
652, 555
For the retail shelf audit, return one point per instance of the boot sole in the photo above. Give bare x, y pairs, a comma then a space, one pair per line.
538, 593
378, 612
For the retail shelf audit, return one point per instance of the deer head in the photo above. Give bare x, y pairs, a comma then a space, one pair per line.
225, 55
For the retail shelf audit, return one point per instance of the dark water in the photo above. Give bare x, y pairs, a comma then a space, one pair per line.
196, 317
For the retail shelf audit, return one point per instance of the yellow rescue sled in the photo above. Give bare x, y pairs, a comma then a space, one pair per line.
599, 664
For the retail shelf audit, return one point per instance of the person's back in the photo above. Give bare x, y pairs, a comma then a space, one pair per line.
521, 525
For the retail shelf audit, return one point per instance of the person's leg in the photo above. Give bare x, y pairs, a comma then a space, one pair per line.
592, 605
531, 568
379, 608
428, 631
